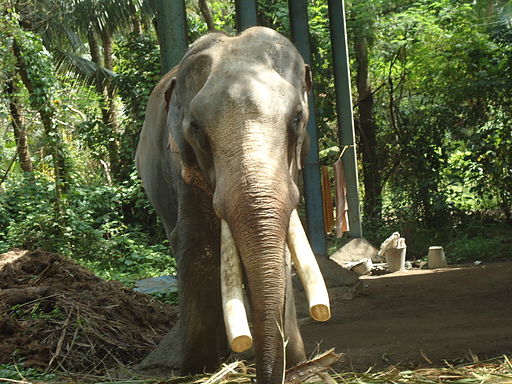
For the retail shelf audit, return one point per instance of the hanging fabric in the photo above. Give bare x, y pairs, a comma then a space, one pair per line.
327, 203
341, 199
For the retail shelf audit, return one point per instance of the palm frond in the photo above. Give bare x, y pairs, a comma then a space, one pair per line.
100, 14
83, 70
149, 8
56, 17
59, 36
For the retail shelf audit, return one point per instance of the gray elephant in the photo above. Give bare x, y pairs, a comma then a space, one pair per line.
221, 147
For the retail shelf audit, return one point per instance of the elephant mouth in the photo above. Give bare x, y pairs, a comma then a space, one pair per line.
235, 315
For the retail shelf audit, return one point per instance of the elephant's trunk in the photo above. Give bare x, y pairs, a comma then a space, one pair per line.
262, 254
255, 195
259, 223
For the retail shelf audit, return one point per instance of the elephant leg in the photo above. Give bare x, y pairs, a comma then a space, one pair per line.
196, 243
295, 347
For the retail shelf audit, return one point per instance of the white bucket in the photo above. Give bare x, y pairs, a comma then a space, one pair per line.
395, 257
436, 257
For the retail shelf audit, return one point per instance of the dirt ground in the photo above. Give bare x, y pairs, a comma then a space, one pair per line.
53, 312
421, 317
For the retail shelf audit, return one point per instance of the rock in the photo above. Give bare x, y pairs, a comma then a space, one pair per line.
334, 275
160, 284
362, 267
355, 250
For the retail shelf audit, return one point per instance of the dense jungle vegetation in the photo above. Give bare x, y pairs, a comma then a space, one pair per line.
432, 109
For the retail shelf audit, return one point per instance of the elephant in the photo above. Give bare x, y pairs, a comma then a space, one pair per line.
219, 157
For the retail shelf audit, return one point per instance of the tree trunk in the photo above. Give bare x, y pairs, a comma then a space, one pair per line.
368, 133
20, 135
110, 119
107, 105
54, 139
95, 50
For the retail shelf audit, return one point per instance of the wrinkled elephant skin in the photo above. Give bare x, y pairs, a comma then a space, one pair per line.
222, 139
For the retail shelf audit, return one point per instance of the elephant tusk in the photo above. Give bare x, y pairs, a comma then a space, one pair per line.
235, 316
307, 268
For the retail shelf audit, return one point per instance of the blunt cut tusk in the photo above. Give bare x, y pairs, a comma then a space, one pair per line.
235, 316
308, 270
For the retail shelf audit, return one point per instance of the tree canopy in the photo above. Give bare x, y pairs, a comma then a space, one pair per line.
432, 107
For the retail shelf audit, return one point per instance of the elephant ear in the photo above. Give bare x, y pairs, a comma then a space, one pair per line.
168, 92
302, 148
308, 78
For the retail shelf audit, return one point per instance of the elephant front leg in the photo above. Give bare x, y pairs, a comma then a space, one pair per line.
203, 335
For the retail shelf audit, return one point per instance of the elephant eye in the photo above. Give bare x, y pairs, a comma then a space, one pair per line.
194, 127
297, 119
197, 136
296, 124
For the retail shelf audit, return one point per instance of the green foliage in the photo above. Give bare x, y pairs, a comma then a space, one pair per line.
274, 14
36, 312
8, 27
440, 71
170, 298
40, 70
138, 65
96, 231
477, 248
223, 13
20, 372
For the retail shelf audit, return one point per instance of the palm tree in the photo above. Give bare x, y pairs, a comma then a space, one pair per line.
81, 28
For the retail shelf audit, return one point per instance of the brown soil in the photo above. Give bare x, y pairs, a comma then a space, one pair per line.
421, 318
53, 312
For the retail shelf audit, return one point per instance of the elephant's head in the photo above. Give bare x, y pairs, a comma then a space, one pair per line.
237, 111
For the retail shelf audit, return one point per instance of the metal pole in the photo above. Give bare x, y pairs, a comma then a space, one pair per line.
172, 32
344, 111
311, 173
246, 14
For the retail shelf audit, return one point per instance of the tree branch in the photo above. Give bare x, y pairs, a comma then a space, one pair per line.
207, 14
369, 95
8, 168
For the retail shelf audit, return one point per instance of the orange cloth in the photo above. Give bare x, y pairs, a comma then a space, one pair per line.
327, 204
341, 199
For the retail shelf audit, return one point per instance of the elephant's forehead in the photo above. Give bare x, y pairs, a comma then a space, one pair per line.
254, 83
246, 88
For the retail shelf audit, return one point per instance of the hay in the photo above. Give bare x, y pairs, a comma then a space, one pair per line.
492, 371
55, 314
495, 371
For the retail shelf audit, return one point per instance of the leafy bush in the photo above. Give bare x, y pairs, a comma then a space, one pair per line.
95, 228
476, 248
170, 298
